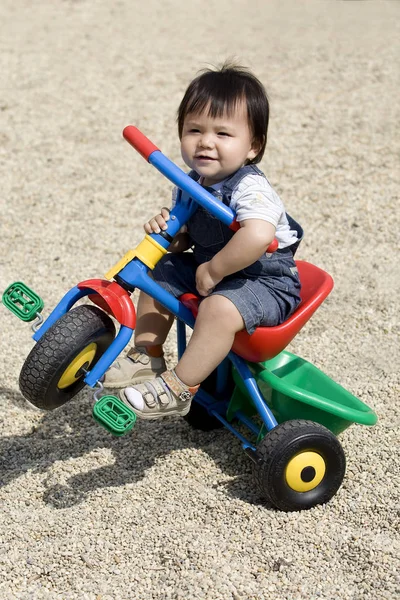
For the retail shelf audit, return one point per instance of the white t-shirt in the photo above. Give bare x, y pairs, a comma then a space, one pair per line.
255, 198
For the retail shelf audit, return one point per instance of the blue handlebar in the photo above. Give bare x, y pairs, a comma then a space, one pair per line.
193, 189
172, 172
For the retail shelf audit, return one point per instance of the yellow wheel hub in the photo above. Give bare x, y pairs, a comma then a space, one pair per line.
71, 373
305, 471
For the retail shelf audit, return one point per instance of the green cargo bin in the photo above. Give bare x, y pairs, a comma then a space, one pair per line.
295, 389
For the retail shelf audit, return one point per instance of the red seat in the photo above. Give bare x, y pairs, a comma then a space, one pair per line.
267, 342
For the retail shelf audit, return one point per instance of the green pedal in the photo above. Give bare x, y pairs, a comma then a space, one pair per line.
114, 415
22, 301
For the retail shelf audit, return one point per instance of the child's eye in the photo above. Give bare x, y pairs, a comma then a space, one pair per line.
193, 130
224, 133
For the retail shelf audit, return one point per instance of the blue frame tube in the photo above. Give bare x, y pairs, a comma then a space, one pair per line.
265, 413
179, 216
181, 337
172, 172
62, 307
135, 273
245, 442
109, 356
222, 376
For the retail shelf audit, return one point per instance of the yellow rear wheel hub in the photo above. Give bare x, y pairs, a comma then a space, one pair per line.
305, 471
72, 372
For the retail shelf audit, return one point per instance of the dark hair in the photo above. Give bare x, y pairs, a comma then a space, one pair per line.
223, 89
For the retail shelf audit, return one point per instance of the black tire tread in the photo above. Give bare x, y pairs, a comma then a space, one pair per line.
47, 354
271, 445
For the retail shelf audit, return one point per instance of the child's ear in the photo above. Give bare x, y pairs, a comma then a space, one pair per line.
252, 154
254, 150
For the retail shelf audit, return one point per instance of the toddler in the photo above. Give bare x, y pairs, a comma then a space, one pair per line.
222, 125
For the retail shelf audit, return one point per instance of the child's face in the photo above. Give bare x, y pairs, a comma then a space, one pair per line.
217, 147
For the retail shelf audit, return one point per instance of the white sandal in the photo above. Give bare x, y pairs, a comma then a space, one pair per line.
164, 396
137, 366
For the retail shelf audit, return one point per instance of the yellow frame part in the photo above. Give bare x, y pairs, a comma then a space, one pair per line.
148, 251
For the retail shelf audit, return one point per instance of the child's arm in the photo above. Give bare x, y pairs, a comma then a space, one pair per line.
247, 245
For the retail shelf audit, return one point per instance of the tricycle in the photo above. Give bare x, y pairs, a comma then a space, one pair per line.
285, 412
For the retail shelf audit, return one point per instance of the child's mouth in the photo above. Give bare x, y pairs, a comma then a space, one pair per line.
204, 158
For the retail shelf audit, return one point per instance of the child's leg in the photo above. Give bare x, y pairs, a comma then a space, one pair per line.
153, 322
170, 394
146, 360
216, 325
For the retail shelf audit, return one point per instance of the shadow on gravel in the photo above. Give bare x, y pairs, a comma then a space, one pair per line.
70, 432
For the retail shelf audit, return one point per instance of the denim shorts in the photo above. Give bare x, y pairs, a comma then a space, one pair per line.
264, 296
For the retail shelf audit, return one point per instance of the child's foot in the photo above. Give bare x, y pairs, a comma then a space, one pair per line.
162, 397
136, 367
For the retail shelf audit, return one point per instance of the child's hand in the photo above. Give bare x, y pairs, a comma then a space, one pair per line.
158, 223
205, 280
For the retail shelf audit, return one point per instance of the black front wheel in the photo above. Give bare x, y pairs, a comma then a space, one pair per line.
54, 370
298, 465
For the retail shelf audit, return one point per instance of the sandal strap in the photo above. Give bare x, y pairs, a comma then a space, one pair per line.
161, 391
180, 390
148, 395
154, 392
137, 355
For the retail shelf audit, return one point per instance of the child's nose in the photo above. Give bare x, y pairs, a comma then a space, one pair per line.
206, 141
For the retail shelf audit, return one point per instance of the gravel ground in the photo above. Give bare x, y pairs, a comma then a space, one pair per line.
168, 512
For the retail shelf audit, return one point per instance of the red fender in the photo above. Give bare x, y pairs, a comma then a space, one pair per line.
112, 298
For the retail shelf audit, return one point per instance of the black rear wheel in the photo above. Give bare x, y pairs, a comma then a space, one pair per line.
298, 465
54, 370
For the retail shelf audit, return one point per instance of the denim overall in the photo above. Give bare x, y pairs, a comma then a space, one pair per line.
265, 293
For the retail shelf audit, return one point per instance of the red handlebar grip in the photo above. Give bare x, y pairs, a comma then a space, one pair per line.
139, 141
273, 246
235, 226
